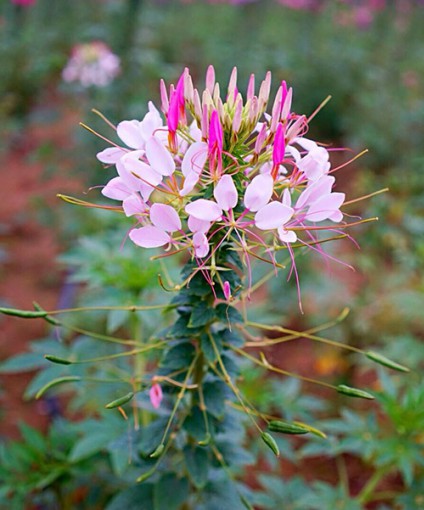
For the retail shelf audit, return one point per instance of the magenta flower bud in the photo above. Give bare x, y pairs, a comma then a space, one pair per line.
237, 114
260, 140
279, 148
227, 290
264, 91
232, 87
188, 87
156, 395
205, 122
287, 102
215, 132
164, 97
210, 79
197, 104
251, 87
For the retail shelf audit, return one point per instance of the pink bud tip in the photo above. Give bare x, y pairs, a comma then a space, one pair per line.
227, 290
156, 395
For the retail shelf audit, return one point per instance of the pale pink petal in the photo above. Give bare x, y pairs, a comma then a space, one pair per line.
136, 173
196, 225
116, 189
129, 132
111, 155
305, 143
149, 237
336, 216
325, 207
206, 210
201, 245
286, 199
287, 236
151, 122
189, 183
266, 168
273, 215
159, 157
315, 190
155, 395
195, 158
259, 192
225, 193
165, 217
133, 205
315, 164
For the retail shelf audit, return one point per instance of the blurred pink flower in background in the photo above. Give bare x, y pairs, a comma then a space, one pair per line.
92, 64
25, 3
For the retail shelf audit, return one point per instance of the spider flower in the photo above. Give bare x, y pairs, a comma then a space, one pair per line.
211, 172
92, 64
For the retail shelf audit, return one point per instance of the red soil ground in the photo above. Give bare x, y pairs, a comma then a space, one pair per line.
27, 267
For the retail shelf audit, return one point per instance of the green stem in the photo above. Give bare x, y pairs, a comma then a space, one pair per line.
139, 370
366, 493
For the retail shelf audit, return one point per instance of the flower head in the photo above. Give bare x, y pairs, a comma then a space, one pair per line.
92, 64
214, 172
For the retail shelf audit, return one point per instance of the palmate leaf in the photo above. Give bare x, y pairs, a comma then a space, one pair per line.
322, 495
170, 492
133, 498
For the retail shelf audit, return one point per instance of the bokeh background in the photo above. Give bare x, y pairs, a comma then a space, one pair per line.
369, 56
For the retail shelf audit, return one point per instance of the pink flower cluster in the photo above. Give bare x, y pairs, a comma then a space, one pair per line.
92, 64
212, 171
24, 3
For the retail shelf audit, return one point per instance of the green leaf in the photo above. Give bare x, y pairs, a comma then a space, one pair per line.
170, 492
89, 445
197, 463
194, 424
215, 394
208, 348
32, 437
232, 338
221, 494
228, 314
22, 363
179, 356
201, 315
134, 498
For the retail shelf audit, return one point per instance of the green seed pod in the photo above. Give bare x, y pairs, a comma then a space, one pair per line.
271, 443
312, 430
379, 358
47, 318
55, 382
120, 401
146, 475
286, 428
354, 392
24, 314
56, 359
206, 441
158, 452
